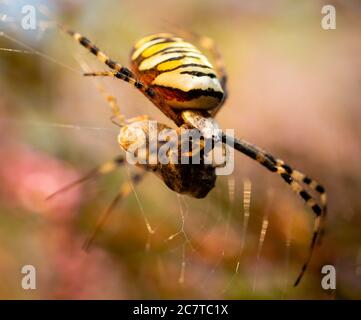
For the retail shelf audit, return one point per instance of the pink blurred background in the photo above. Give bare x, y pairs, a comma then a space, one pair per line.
294, 89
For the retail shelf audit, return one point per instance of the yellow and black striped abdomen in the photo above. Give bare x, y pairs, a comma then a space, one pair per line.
177, 71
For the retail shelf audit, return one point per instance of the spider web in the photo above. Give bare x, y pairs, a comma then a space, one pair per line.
186, 248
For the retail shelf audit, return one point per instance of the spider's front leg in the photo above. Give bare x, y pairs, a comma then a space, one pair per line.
123, 73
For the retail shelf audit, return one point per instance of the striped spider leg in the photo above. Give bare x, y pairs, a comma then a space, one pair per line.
125, 189
109, 166
183, 84
294, 178
123, 73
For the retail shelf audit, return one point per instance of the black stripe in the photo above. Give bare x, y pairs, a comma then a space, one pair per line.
196, 93
94, 50
87, 44
189, 65
316, 209
157, 38
123, 70
314, 237
150, 92
126, 72
122, 76
166, 40
119, 160
170, 48
307, 180
320, 189
305, 196
287, 168
286, 177
199, 74
110, 63
84, 42
271, 158
138, 85
180, 51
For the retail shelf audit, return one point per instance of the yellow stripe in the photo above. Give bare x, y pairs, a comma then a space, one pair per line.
297, 175
296, 187
324, 198
102, 57
151, 37
139, 50
152, 61
146, 42
311, 202
313, 184
168, 65
186, 82
317, 223
158, 47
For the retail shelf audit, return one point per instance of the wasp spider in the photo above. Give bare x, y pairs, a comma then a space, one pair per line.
178, 79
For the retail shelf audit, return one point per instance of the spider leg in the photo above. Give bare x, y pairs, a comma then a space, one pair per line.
104, 168
311, 183
320, 190
293, 178
111, 100
125, 74
125, 189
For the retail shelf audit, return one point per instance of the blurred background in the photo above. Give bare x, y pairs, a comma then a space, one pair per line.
294, 90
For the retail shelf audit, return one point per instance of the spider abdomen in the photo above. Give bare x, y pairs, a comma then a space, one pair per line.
177, 71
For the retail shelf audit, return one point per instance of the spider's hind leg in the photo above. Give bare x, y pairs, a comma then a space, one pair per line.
125, 189
292, 177
103, 169
311, 183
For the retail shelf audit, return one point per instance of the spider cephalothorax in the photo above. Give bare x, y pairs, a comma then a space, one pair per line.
178, 79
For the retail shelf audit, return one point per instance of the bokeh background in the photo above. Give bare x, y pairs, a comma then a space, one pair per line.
294, 89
